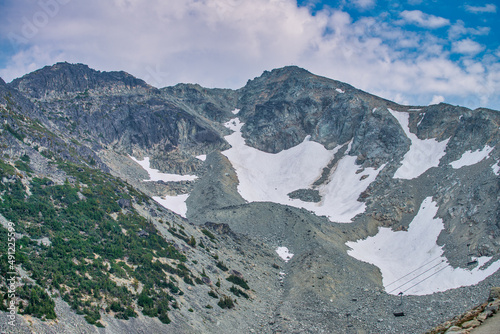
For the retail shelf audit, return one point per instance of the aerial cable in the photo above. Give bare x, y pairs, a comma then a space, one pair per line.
416, 277
412, 271
427, 277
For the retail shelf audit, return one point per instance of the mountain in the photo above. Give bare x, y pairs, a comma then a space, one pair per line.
296, 203
53, 82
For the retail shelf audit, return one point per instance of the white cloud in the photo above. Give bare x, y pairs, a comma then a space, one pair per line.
458, 29
424, 20
364, 4
489, 8
226, 42
437, 99
467, 47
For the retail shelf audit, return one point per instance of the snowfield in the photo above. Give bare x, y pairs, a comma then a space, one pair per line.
411, 262
284, 253
176, 204
496, 168
470, 158
156, 175
267, 177
423, 153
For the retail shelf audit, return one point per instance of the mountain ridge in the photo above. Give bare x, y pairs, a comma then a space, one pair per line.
74, 78
379, 165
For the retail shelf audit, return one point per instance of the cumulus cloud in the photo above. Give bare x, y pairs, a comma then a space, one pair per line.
459, 29
424, 20
436, 99
467, 46
224, 43
489, 8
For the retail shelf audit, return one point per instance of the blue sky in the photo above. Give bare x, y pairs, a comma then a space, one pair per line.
416, 52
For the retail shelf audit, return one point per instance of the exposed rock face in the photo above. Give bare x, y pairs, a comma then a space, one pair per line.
114, 109
214, 104
282, 107
97, 119
54, 82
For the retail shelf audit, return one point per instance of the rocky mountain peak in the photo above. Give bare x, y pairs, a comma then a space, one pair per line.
287, 72
65, 78
288, 77
175, 189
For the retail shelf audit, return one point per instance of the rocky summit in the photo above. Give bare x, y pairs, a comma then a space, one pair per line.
295, 204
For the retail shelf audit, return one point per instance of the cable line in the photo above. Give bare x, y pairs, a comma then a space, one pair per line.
416, 277
411, 287
412, 271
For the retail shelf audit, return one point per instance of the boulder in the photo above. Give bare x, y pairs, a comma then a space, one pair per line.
494, 294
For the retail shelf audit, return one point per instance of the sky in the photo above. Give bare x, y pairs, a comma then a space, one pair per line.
415, 52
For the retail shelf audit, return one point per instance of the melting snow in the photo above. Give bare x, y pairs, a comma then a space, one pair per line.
202, 157
266, 177
235, 111
176, 204
423, 116
412, 262
284, 253
339, 90
470, 158
340, 195
496, 168
156, 175
423, 153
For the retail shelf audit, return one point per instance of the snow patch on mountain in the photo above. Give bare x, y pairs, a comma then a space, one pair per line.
284, 253
156, 175
423, 153
470, 158
340, 195
411, 262
267, 177
176, 204
496, 168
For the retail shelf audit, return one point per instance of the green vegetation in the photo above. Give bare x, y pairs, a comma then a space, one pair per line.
179, 233
39, 303
23, 165
222, 266
6, 169
208, 234
226, 302
93, 243
238, 292
238, 281
17, 135
192, 242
